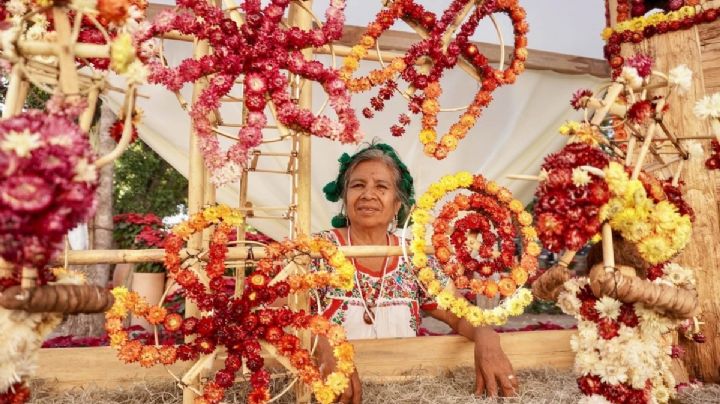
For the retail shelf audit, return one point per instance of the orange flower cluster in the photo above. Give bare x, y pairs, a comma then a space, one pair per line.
130, 351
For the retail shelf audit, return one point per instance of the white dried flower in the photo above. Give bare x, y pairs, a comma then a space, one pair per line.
681, 76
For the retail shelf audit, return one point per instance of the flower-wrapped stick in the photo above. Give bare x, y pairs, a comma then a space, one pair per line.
68, 299
624, 286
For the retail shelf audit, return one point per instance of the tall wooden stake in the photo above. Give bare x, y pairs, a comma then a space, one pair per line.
196, 193
302, 19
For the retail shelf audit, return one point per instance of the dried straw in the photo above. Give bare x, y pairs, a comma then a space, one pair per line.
539, 386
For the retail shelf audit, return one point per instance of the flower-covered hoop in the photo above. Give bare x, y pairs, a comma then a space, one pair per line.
498, 207
445, 52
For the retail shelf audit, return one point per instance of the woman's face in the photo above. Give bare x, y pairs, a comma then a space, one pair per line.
371, 200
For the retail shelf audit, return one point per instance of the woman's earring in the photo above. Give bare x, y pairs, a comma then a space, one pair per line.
393, 225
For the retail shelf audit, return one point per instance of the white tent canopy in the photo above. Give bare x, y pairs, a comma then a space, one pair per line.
512, 136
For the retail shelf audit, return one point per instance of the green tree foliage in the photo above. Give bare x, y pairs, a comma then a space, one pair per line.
145, 183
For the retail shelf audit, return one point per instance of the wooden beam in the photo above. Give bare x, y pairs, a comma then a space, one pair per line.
377, 359
400, 42
87, 257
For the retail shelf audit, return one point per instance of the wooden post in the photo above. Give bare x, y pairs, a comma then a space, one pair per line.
302, 19
196, 193
701, 253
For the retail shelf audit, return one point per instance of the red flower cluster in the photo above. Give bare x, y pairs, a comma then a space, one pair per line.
621, 393
260, 50
137, 230
713, 162
567, 214
47, 185
18, 393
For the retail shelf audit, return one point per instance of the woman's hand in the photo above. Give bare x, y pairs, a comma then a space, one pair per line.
353, 393
493, 371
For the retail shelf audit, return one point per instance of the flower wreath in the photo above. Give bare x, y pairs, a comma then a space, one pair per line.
497, 206
243, 324
428, 84
334, 189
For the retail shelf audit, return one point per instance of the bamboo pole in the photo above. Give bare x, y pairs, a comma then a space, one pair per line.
65, 52
196, 194
87, 257
299, 301
81, 50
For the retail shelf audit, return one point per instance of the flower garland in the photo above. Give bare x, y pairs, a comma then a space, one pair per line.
658, 229
259, 49
242, 324
569, 198
426, 100
47, 185
516, 298
637, 29
621, 353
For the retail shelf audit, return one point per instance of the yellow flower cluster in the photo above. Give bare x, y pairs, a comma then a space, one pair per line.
344, 275
336, 382
511, 306
582, 133
658, 229
639, 23
210, 215
122, 53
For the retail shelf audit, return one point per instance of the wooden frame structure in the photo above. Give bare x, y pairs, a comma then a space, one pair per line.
527, 349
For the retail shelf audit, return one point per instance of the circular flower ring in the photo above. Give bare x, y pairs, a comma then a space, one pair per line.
443, 58
496, 205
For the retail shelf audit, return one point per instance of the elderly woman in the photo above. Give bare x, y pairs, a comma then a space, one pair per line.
376, 190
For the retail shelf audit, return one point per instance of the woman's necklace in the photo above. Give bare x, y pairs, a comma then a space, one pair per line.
369, 315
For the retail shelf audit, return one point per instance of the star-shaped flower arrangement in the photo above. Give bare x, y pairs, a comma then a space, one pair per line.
243, 325
259, 49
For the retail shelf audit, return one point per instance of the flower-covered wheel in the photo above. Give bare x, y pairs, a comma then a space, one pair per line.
477, 251
245, 324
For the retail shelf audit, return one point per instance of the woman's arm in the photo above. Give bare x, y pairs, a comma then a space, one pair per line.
492, 367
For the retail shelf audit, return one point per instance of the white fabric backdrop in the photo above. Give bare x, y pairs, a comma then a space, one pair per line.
512, 136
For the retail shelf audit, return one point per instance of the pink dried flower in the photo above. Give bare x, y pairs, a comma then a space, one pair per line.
47, 182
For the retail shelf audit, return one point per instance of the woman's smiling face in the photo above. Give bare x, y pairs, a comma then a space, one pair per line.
371, 199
